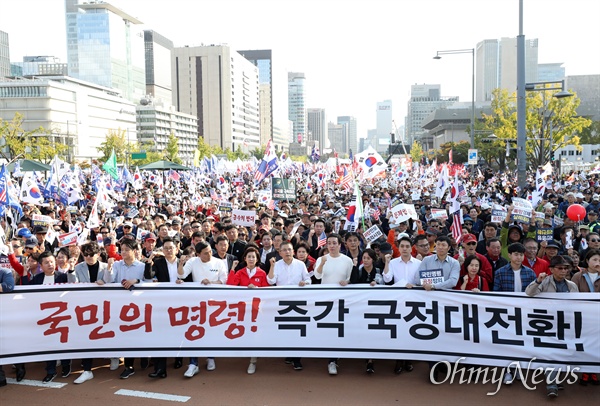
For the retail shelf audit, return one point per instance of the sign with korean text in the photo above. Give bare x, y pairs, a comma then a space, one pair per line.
67, 239
190, 320
373, 233
544, 234
283, 189
440, 214
41, 220
498, 214
243, 217
403, 212
225, 207
521, 210
431, 276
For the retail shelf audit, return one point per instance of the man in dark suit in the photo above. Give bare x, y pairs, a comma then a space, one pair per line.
7, 284
277, 240
163, 268
222, 252
48, 276
236, 246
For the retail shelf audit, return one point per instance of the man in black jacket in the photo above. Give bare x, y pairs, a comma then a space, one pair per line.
163, 268
236, 246
49, 276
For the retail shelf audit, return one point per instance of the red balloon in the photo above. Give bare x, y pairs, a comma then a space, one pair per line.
576, 212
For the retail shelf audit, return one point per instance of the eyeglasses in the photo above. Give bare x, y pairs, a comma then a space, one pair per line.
16, 247
278, 225
472, 243
422, 245
436, 226
563, 268
168, 248
28, 248
533, 248
196, 227
89, 254
594, 240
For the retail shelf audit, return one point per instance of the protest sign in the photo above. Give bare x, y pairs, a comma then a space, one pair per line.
283, 189
38, 220
431, 276
544, 234
243, 217
440, 214
373, 233
403, 212
67, 239
225, 207
521, 210
498, 214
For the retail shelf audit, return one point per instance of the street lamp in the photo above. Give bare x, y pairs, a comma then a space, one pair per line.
69, 141
472, 52
560, 94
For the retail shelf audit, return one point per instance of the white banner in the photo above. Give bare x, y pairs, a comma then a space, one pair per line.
243, 217
373, 233
403, 212
89, 321
440, 214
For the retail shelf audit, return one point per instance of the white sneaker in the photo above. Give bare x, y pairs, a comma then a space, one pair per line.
508, 378
191, 371
114, 363
85, 376
332, 368
210, 364
251, 368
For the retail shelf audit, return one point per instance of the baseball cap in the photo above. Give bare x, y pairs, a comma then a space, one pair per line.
596, 197
559, 260
432, 231
385, 248
31, 242
552, 244
149, 236
467, 238
128, 224
24, 233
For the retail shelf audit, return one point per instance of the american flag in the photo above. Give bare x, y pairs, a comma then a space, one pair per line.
322, 241
348, 179
456, 227
376, 213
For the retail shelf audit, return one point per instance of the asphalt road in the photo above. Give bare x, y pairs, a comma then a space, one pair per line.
275, 383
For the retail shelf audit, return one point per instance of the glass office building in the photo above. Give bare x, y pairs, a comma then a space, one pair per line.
105, 46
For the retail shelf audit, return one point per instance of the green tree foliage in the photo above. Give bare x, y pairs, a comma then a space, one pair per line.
545, 115
460, 151
172, 150
117, 140
416, 152
259, 152
35, 145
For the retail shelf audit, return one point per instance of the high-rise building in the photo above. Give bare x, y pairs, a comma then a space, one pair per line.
587, 88
4, 55
262, 59
351, 141
496, 65
384, 126
105, 46
296, 106
157, 119
220, 87
337, 133
316, 128
158, 50
548, 72
424, 99
42, 66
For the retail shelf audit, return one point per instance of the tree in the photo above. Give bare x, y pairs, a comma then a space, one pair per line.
117, 140
172, 150
460, 151
416, 152
591, 134
259, 152
547, 117
36, 144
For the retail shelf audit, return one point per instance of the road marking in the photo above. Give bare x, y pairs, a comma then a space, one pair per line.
31, 382
152, 395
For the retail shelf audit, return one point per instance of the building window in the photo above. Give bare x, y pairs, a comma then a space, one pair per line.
571, 153
578, 152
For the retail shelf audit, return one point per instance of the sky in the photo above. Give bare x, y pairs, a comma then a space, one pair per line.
354, 53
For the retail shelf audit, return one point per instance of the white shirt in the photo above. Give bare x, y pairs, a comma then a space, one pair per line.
518, 286
403, 272
48, 280
289, 275
335, 269
172, 268
213, 270
263, 256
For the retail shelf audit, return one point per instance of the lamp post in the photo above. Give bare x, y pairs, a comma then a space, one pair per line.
69, 141
472, 52
560, 94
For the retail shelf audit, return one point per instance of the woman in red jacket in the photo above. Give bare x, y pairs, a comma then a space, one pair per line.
472, 281
253, 277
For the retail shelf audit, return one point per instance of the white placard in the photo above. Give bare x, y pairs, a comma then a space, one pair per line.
243, 217
373, 233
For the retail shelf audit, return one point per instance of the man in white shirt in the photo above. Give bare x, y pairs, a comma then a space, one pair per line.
334, 268
207, 270
404, 271
288, 271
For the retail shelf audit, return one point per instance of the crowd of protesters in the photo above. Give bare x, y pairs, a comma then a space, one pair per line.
174, 233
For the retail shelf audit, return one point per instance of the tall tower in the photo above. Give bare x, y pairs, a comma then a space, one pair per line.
496, 65
105, 46
316, 128
262, 59
220, 87
350, 143
4, 55
296, 106
384, 125
158, 50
